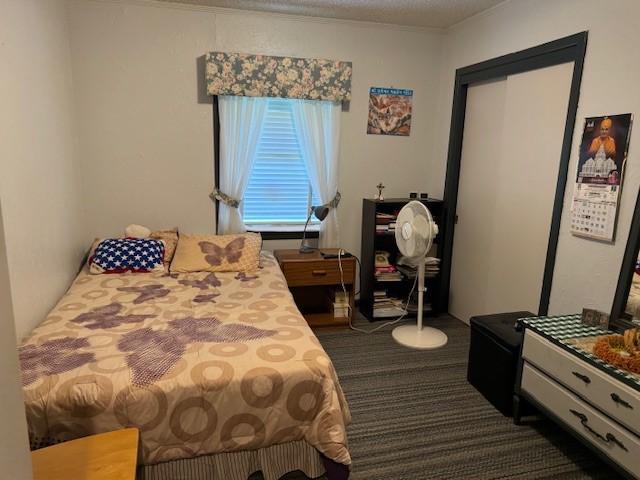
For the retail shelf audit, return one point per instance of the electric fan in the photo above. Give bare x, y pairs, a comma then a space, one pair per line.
415, 230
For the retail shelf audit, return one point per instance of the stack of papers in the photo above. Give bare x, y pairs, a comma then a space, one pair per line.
385, 306
431, 264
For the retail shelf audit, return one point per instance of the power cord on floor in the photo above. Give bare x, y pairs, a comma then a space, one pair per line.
350, 310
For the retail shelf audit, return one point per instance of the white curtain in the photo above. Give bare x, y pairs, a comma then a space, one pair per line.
318, 128
241, 120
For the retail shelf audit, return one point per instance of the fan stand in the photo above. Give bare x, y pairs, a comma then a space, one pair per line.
417, 336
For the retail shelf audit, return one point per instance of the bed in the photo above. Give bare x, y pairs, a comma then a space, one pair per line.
202, 363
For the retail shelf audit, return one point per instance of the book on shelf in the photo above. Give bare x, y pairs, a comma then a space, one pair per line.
431, 268
341, 304
389, 277
341, 297
411, 273
340, 311
388, 313
385, 306
385, 222
382, 217
384, 270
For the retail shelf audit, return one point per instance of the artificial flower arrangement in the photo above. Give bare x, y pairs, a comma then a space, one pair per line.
621, 351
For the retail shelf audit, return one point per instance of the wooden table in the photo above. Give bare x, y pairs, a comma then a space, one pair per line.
313, 281
106, 456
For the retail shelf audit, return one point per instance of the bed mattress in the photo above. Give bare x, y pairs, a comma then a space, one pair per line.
201, 363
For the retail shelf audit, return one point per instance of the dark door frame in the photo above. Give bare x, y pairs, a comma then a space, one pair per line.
619, 319
563, 50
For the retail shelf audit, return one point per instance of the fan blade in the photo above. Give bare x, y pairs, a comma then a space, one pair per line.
405, 216
421, 245
410, 246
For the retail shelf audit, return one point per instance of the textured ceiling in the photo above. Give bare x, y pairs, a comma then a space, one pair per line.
421, 13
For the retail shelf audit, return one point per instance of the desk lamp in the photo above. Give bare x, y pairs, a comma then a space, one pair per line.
320, 213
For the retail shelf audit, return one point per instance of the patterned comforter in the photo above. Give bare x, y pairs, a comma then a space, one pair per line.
200, 362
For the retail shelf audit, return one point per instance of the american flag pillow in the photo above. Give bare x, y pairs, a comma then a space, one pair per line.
119, 255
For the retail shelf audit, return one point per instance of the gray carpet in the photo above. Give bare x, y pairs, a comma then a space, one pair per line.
416, 417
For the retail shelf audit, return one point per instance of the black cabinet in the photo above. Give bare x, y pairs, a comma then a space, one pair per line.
377, 239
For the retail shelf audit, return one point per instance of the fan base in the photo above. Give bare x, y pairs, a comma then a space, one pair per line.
426, 339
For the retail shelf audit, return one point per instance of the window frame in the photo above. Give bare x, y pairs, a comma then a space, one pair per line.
297, 230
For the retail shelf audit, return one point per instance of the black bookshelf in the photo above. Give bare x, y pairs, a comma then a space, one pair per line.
373, 241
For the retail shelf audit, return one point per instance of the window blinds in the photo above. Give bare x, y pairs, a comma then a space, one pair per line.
279, 191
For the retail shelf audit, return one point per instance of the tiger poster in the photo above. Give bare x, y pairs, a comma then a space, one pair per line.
390, 111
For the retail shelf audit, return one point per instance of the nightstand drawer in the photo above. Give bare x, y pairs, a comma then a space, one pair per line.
321, 272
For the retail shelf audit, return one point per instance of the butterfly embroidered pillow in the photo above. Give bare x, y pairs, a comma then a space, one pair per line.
119, 255
217, 253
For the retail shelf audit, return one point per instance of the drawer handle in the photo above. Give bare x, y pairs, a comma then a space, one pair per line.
608, 438
616, 398
318, 273
582, 377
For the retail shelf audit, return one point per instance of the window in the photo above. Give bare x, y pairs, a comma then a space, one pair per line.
279, 192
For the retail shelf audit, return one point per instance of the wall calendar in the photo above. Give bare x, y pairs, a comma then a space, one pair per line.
601, 164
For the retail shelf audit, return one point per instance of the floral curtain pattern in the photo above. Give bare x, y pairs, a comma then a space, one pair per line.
247, 75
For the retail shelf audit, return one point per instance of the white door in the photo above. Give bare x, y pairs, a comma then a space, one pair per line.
509, 166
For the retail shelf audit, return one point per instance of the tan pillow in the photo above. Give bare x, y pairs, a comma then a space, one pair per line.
217, 253
170, 238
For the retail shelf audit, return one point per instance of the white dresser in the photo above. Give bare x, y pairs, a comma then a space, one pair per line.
596, 402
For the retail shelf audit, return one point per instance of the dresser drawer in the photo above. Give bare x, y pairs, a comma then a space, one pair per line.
611, 396
622, 446
321, 272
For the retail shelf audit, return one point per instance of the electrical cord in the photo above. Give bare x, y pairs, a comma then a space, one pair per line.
359, 270
350, 310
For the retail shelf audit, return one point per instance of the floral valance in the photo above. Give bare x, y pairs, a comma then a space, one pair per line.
247, 75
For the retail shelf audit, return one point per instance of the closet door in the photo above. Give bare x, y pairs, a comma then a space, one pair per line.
475, 231
508, 172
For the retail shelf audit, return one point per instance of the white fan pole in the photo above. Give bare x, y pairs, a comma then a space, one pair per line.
421, 269
417, 336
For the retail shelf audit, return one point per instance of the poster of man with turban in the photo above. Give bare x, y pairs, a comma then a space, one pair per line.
601, 162
390, 111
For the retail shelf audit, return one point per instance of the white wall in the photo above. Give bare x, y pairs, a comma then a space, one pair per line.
586, 271
39, 179
146, 141
15, 458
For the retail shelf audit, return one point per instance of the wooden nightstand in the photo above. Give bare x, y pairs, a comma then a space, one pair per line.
314, 281
106, 456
